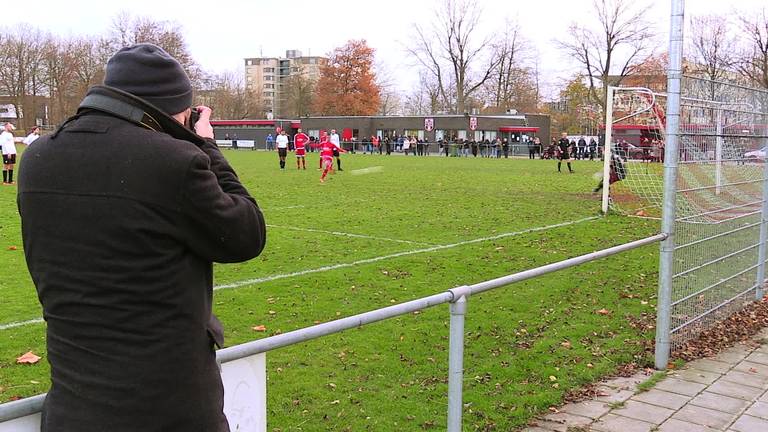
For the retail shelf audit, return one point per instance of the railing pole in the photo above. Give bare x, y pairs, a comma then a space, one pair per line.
456, 364
761, 255
666, 259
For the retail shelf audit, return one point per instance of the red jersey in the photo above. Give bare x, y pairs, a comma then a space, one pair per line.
300, 141
326, 149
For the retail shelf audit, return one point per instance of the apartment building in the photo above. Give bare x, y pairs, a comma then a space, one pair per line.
268, 76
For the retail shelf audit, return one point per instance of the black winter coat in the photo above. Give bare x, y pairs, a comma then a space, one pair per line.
121, 225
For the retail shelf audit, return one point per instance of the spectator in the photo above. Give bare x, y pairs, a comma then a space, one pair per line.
8, 144
270, 142
123, 270
505, 147
582, 148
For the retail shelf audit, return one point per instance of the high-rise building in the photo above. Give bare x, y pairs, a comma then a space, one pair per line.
267, 76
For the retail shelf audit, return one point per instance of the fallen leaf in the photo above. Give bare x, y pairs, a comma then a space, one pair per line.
28, 358
12, 248
259, 328
603, 312
566, 344
552, 378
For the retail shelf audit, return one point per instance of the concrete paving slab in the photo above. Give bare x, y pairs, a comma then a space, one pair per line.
643, 411
710, 366
758, 357
698, 376
758, 409
627, 383
731, 389
616, 423
732, 355
678, 386
754, 368
674, 425
704, 416
747, 423
591, 409
611, 395
564, 418
746, 378
663, 399
720, 403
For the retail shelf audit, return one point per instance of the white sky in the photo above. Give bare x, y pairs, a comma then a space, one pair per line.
221, 33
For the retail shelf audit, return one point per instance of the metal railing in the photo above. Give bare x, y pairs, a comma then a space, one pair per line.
456, 297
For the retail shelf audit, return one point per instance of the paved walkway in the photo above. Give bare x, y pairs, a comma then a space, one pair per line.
728, 392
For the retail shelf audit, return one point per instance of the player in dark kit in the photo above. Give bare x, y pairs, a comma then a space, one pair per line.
563, 153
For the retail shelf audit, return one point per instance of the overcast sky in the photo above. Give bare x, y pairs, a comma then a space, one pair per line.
221, 33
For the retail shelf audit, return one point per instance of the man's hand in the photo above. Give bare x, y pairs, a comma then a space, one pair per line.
203, 126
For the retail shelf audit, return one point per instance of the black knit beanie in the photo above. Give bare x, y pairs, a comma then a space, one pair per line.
147, 71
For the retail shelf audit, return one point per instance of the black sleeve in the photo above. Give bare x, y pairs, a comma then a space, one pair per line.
226, 224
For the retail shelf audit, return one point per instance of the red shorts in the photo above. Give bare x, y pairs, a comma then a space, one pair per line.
300, 152
327, 162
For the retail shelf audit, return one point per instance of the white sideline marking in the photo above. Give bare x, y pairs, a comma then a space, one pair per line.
285, 208
348, 234
20, 324
354, 263
394, 255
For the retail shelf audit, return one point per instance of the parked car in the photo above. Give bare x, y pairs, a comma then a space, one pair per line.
756, 154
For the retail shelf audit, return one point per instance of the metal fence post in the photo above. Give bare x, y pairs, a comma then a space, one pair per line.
666, 260
456, 364
608, 149
761, 255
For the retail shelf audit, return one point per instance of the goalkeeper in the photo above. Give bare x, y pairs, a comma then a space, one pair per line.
617, 172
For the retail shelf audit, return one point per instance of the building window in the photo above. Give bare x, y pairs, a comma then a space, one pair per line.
269, 86
269, 78
312, 60
269, 94
269, 70
249, 62
294, 69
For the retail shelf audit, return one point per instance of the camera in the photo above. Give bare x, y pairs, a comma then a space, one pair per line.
194, 116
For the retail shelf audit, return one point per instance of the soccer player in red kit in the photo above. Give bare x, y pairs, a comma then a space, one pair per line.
327, 150
300, 141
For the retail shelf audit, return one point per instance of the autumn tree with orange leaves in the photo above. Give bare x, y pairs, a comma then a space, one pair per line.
347, 84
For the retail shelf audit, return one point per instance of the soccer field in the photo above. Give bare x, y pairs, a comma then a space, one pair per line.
416, 227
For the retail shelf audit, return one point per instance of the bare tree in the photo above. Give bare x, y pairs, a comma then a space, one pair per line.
60, 63
609, 53
453, 55
712, 55
21, 70
753, 63
128, 30
296, 96
229, 97
513, 83
391, 102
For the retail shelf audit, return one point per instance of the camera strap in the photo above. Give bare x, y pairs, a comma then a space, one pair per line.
120, 109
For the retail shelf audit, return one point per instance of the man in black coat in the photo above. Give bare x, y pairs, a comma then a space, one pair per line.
123, 212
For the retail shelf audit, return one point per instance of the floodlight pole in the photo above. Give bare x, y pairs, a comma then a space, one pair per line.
607, 148
666, 259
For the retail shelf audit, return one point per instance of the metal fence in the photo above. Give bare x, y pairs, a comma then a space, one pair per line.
23, 415
715, 199
719, 243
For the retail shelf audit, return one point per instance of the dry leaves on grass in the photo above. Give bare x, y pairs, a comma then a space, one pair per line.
259, 328
28, 358
603, 312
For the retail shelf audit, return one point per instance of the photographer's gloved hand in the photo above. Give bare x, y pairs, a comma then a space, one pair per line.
203, 126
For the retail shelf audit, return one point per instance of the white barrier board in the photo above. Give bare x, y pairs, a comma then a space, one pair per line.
245, 393
30, 423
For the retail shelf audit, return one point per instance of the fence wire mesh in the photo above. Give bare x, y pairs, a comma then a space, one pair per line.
719, 196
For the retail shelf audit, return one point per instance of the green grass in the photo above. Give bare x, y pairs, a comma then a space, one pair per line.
392, 374
650, 382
